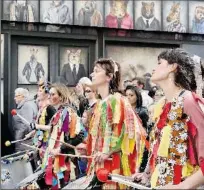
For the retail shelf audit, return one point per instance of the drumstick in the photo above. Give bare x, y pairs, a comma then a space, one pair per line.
69, 155
13, 112
8, 143
67, 144
104, 175
15, 154
78, 156
33, 147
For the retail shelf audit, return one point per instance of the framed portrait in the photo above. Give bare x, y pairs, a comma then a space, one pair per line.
119, 14
175, 17
2, 56
21, 10
73, 64
56, 12
196, 19
32, 63
148, 15
134, 65
88, 13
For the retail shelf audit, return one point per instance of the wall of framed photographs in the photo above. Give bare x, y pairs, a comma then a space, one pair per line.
151, 15
38, 57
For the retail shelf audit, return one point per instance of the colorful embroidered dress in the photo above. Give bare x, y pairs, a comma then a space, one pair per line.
65, 123
41, 137
114, 127
177, 140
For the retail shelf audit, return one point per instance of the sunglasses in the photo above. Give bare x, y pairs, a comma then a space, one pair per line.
87, 91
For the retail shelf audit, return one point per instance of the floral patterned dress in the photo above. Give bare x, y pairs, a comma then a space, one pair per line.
176, 144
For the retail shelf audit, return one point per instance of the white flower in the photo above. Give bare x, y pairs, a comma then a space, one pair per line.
172, 154
181, 148
171, 145
177, 126
171, 161
183, 160
172, 115
162, 181
184, 136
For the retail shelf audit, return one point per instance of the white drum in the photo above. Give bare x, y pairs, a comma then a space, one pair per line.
14, 169
33, 181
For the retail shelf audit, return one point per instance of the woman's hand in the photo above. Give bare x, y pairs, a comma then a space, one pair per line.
143, 178
171, 186
101, 157
54, 152
81, 146
29, 135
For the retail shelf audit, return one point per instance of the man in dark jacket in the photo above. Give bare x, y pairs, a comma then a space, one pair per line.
73, 70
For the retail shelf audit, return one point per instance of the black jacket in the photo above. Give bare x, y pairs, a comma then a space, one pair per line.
67, 77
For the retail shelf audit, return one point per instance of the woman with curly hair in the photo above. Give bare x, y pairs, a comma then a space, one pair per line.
176, 159
114, 129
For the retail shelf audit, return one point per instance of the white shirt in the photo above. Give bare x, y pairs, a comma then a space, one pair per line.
149, 20
33, 77
72, 67
146, 99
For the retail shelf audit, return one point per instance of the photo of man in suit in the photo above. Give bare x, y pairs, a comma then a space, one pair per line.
74, 69
21, 10
33, 70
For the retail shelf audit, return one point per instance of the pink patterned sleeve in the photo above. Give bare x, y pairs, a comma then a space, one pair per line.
192, 109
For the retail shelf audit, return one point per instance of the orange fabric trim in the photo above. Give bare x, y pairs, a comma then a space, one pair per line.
73, 126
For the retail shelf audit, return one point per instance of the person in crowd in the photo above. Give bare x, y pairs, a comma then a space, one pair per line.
114, 130
176, 158
152, 92
83, 101
135, 99
87, 104
65, 127
45, 114
127, 83
140, 83
27, 109
90, 95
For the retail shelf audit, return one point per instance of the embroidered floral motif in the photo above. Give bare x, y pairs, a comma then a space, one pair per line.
178, 141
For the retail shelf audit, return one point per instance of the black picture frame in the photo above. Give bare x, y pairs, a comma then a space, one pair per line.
26, 10
2, 55
85, 50
30, 72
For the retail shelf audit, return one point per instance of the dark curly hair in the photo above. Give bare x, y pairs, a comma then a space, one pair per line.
184, 76
137, 93
109, 66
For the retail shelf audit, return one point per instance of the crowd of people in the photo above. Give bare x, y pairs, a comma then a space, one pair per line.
157, 138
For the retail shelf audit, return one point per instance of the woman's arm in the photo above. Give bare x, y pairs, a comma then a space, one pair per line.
194, 181
43, 127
